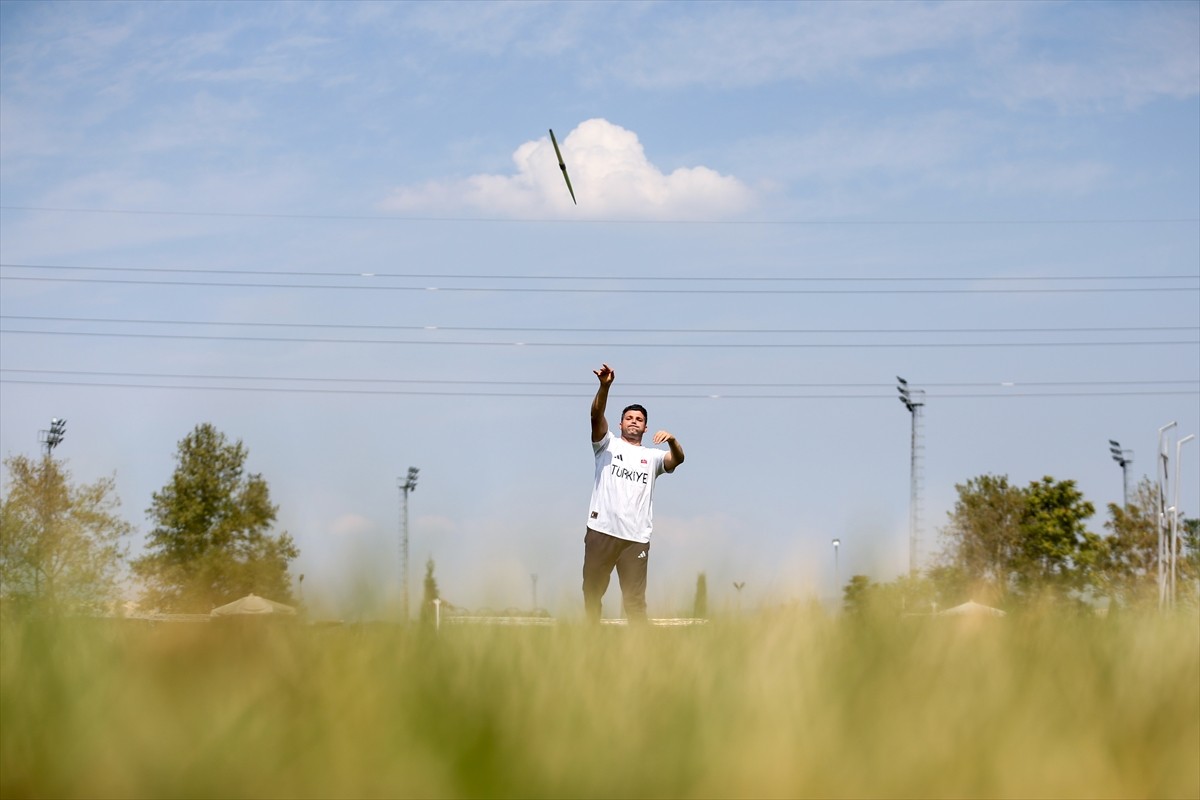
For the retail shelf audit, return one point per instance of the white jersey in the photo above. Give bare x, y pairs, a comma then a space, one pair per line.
622, 493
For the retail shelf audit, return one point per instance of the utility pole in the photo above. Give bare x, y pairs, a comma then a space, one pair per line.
914, 401
408, 484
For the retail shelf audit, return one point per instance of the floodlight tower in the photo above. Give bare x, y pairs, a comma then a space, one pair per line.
914, 401
1124, 458
408, 484
53, 438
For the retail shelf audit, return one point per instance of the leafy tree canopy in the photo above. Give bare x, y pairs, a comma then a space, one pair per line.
212, 540
1012, 544
61, 545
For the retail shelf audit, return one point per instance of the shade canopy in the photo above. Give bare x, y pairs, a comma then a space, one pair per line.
971, 609
254, 605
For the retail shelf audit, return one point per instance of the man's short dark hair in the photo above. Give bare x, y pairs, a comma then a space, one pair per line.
635, 407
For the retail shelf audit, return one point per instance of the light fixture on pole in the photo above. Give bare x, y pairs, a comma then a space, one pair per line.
1175, 514
1124, 458
53, 438
914, 401
409, 484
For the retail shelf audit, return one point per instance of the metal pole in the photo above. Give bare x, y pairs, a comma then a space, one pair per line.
913, 400
409, 485
1175, 514
1161, 469
837, 572
1124, 458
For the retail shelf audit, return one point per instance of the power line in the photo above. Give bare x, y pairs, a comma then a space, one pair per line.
576, 395
638, 277
528, 329
603, 221
640, 344
589, 384
595, 290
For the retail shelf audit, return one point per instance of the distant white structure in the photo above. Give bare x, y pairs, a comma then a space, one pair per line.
971, 609
253, 605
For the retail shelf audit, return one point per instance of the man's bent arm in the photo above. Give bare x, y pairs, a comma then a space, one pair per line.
674, 456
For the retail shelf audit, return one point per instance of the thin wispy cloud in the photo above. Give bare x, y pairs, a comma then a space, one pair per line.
610, 173
906, 47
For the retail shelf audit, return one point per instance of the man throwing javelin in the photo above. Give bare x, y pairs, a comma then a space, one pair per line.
621, 515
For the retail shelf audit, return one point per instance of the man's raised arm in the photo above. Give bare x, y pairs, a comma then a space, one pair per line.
599, 423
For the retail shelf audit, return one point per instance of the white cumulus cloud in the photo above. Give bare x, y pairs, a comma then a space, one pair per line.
610, 174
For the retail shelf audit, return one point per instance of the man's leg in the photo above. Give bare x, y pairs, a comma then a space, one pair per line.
631, 571
600, 552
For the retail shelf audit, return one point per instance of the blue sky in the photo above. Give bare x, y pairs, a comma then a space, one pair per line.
781, 207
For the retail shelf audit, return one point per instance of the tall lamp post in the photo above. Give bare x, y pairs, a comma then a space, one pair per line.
1124, 458
1175, 514
837, 573
1162, 469
53, 438
914, 401
409, 484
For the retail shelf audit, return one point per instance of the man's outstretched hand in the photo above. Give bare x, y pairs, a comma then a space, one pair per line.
605, 374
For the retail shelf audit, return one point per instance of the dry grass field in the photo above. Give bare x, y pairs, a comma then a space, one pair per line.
789, 704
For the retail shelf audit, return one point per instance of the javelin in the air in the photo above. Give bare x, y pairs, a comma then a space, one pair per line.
562, 165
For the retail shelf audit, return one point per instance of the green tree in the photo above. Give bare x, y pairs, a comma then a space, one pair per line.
1021, 544
61, 545
1058, 553
1189, 561
700, 606
1127, 570
211, 543
856, 595
983, 536
428, 612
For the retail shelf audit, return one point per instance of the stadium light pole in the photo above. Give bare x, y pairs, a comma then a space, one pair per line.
914, 401
50, 439
1124, 458
53, 438
409, 484
1175, 513
1161, 469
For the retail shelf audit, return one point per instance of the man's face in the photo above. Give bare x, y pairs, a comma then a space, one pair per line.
633, 425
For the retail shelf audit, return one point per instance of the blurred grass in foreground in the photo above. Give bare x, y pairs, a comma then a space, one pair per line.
787, 705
